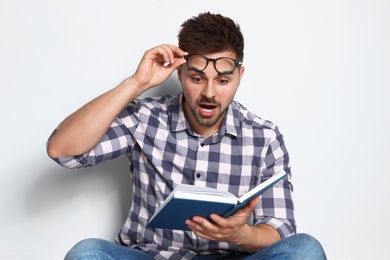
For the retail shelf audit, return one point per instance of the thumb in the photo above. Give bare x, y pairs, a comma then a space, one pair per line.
251, 205
249, 208
176, 63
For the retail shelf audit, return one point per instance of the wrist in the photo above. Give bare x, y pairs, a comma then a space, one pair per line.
134, 86
255, 238
245, 235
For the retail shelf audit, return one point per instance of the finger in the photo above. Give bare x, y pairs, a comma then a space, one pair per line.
198, 221
202, 230
200, 224
176, 51
170, 52
253, 203
194, 226
175, 57
249, 208
166, 51
220, 221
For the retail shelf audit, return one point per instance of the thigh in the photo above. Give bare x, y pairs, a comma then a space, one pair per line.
96, 249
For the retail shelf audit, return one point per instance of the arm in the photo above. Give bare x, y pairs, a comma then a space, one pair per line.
82, 130
272, 222
235, 230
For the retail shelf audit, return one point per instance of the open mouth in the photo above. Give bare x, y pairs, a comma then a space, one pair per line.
207, 108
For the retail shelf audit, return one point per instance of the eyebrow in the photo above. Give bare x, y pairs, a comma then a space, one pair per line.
202, 72
224, 74
197, 71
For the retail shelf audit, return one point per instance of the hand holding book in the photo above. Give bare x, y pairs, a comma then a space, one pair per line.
187, 201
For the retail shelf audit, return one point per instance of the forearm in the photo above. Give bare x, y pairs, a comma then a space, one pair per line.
83, 129
254, 238
235, 230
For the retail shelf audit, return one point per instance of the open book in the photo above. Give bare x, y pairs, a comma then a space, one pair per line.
187, 201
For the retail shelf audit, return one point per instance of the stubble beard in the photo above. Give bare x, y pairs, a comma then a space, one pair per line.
206, 122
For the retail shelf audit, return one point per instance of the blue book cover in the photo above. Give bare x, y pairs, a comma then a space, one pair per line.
187, 201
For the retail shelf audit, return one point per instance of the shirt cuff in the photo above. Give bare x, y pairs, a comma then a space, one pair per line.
283, 226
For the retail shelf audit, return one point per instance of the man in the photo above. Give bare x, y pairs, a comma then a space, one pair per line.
200, 137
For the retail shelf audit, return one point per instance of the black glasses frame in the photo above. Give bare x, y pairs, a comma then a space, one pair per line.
236, 63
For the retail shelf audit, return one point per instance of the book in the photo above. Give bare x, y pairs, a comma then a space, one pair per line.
187, 201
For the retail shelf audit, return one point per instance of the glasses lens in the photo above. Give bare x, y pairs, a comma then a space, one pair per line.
225, 65
197, 62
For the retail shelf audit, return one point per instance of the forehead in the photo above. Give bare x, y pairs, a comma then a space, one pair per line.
214, 55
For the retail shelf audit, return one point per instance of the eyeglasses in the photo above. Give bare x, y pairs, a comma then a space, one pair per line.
223, 65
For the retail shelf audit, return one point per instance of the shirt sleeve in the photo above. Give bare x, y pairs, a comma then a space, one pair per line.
276, 206
116, 142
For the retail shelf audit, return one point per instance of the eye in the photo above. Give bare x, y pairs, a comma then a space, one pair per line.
222, 81
197, 79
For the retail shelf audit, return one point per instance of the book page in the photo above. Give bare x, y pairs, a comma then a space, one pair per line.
185, 191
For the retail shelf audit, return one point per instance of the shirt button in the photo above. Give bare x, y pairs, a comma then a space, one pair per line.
198, 175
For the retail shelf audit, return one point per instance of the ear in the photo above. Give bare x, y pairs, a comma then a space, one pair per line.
242, 70
179, 70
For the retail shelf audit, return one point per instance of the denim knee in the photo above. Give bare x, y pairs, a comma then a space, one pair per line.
85, 249
309, 240
298, 246
311, 244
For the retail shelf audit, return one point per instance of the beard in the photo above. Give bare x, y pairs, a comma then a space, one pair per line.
202, 120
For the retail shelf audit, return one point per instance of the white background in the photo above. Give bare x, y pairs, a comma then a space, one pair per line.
320, 70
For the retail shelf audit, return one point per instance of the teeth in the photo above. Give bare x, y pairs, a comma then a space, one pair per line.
207, 110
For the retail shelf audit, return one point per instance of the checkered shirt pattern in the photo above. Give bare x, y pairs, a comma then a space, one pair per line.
164, 151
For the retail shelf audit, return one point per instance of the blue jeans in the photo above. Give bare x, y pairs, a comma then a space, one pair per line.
299, 246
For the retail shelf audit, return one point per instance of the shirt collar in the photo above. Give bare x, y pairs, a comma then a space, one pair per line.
230, 124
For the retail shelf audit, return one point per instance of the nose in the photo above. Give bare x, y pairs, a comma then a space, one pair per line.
209, 89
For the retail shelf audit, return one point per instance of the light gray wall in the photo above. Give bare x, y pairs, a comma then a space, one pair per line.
318, 69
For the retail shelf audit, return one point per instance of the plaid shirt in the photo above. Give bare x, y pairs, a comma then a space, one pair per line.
164, 151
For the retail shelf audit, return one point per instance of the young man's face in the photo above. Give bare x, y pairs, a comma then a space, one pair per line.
207, 93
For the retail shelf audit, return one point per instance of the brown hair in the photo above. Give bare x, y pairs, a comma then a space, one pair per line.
208, 33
